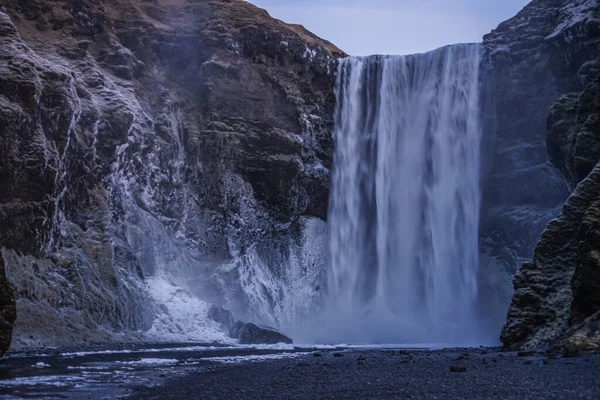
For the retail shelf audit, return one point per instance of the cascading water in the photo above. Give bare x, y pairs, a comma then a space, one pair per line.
405, 199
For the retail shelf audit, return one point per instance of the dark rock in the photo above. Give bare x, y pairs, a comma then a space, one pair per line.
337, 355
573, 127
7, 310
221, 316
582, 338
529, 62
560, 289
249, 333
139, 134
458, 369
317, 355
235, 330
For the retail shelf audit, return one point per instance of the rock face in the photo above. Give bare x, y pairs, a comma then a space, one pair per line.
560, 289
582, 338
221, 316
548, 50
7, 311
254, 334
573, 126
162, 138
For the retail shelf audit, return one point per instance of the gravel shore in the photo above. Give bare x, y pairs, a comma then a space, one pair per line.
392, 374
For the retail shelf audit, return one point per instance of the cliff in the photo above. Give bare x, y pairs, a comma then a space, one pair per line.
556, 291
547, 50
559, 290
155, 142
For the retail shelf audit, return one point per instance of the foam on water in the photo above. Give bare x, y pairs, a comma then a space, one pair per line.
183, 316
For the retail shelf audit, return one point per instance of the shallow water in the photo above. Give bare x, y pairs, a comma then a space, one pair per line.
114, 372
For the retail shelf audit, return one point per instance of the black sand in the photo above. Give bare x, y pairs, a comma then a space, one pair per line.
392, 374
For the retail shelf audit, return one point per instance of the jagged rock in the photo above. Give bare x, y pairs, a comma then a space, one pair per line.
583, 338
561, 287
7, 310
139, 137
573, 126
222, 316
547, 50
249, 333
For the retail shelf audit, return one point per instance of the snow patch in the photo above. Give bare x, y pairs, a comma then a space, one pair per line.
310, 53
255, 358
576, 12
150, 361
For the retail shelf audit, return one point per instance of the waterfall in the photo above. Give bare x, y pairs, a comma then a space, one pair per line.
405, 199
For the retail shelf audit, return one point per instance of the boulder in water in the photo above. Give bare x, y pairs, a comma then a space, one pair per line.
249, 333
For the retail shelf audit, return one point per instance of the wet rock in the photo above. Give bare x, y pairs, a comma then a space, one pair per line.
337, 355
221, 316
458, 369
235, 330
249, 333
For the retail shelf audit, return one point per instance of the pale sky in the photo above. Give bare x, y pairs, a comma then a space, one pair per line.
364, 27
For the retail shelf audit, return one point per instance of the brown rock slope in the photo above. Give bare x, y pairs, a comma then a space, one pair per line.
140, 138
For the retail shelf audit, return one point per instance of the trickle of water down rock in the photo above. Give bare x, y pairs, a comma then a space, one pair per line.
405, 199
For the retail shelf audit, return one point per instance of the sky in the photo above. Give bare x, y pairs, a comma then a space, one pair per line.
364, 27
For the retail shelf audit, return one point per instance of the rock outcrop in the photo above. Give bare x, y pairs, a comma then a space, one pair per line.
560, 289
549, 49
7, 311
248, 333
156, 138
573, 126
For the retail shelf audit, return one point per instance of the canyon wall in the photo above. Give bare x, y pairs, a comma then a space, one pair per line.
547, 50
152, 154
